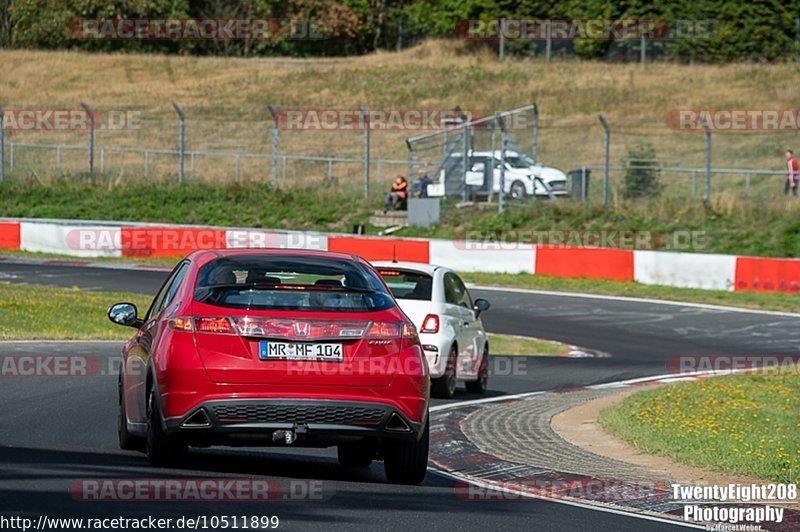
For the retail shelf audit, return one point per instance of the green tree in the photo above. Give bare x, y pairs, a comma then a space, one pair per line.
641, 182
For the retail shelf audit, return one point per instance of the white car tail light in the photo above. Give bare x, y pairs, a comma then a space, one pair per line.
430, 324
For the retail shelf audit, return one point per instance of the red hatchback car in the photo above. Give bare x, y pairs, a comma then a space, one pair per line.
275, 347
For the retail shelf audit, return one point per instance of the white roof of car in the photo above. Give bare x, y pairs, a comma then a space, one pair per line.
413, 266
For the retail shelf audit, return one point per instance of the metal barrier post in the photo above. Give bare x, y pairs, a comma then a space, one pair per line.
182, 145
91, 141
607, 131
274, 112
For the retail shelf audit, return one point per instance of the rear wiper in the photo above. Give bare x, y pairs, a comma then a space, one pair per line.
358, 290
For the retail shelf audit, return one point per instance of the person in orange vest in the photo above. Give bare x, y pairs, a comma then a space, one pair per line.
398, 193
793, 175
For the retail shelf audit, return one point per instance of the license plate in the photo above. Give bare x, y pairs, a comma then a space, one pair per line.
300, 351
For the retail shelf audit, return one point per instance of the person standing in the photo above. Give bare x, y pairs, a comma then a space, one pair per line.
793, 173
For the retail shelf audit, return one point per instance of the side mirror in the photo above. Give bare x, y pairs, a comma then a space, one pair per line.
480, 305
124, 314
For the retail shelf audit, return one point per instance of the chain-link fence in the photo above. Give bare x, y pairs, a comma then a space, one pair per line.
665, 154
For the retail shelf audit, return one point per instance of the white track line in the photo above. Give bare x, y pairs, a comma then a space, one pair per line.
634, 300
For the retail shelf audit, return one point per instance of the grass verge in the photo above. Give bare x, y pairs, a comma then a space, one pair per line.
507, 344
725, 224
30, 312
750, 300
742, 424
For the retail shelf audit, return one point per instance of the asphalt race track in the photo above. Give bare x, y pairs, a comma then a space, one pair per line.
54, 430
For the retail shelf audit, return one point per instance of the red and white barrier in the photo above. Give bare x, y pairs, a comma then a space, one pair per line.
685, 270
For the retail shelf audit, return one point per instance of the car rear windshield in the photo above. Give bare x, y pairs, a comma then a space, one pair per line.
406, 284
291, 282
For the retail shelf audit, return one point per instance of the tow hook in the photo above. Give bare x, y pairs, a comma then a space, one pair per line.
288, 437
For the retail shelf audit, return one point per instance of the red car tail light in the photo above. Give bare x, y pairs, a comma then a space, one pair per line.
300, 329
213, 325
385, 329
295, 329
181, 324
430, 324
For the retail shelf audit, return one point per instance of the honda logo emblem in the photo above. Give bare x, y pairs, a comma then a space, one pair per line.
302, 328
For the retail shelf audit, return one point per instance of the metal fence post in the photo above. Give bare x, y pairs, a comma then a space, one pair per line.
694, 184
502, 39
747, 184
366, 150
535, 144
2, 147
91, 141
274, 112
182, 145
465, 159
583, 183
607, 142
410, 160
501, 196
549, 43
643, 51
708, 159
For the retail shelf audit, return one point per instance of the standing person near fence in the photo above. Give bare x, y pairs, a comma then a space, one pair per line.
793, 174
398, 193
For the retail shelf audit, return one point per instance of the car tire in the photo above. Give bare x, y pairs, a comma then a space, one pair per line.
406, 462
444, 387
517, 190
356, 454
127, 441
481, 384
161, 448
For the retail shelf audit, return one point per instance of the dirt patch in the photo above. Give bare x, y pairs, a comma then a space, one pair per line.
580, 427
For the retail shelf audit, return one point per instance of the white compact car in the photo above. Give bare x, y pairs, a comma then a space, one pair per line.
448, 322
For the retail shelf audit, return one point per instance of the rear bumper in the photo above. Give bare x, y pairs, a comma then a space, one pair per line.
310, 423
